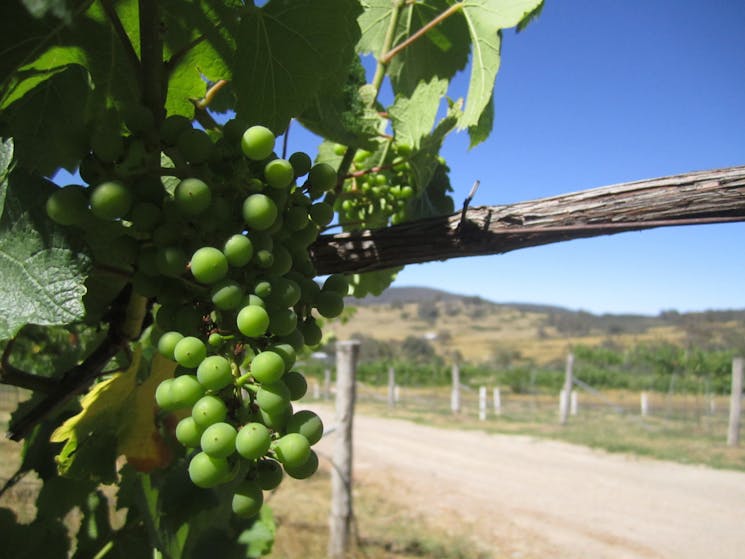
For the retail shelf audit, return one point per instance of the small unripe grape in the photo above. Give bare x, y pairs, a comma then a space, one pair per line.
252, 321
294, 339
269, 474
329, 304
321, 213
164, 395
185, 391
145, 216
282, 321
268, 367
110, 200
171, 261
238, 250
285, 292
308, 424
108, 146
257, 143
263, 289
282, 261
336, 283
206, 471
68, 205
276, 421
279, 173
301, 163
195, 145
227, 295
214, 372
188, 433
304, 470
253, 441
209, 265
312, 334
218, 440
296, 384
138, 118
208, 410
259, 212
292, 449
264, 258
273, 397
287, 352
192, 196
296, 218
248, 499
167, 343
189, 352
172, 128
322, 176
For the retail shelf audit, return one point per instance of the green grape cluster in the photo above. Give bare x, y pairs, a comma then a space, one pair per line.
223, 255
379, 188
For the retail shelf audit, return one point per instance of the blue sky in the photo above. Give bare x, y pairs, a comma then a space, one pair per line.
597, 92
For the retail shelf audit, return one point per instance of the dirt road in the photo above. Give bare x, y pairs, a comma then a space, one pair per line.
523, 498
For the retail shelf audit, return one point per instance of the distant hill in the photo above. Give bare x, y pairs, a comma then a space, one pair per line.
481, 329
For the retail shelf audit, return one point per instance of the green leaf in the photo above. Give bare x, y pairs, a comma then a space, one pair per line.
481, 130
413, 117
259, 538
287, 52
6, 158
341, 115
42, 274
485, 18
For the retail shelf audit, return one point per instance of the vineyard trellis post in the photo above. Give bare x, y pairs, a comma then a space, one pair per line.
735, 406
566, 392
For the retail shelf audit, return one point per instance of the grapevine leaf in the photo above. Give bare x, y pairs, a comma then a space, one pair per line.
485, 18
41, 538
62, 9
481, 130
42, 273
46, 137
6, 158
140, 441
286, 54
112, 413
259, 538
413, 117
341, 115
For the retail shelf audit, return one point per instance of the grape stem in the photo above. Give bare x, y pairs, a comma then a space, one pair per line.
15, 377
209, 96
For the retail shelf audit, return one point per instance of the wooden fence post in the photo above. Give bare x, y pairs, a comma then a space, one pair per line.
497, 402
391, 387
455, 392
735, 403
644, 404
326, 383
574, 403
565, 396
340, 517
482, 403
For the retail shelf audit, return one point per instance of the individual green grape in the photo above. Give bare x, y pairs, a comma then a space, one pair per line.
264, 258
281, 262
322, 177
301, 163
171, 261
164, 395
279, 173
238, 250
259, 212
309, 290
337, 283
195, 145
282, 321
208, 265
107, 145
312, 334
218, 440
145, 216
138, 118
292, 449
188, 318
215, 339
284, 292
267, 367
321, 213
304, 470
273, 397
253, 299
227, 295
188, 433
206, 471
276, 421
168, 233
269, 474
185, 391
263, 289
189, 352
296, 218
209, 410
68, 205
287, 352
296, 384
192, 196
167, 343
248, 499
172, 128
308, 424
252, 321
257, 143
329, 304
110, 200
253, 441
215, 373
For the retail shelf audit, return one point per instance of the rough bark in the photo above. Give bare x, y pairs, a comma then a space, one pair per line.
713, 196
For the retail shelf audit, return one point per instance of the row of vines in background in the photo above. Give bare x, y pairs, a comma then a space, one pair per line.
650, 366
